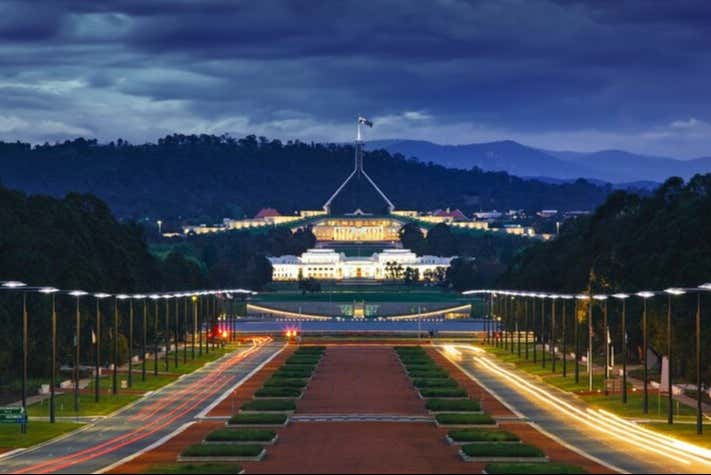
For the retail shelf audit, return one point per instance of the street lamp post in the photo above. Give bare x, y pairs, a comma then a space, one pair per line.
166, 333
623, 326
155, 298
185, 298
606, 341
176, 330
525, 321
543, 329
553, 335
533, 326
645, 384
586, 298
144, 337
670, 410
97, 369
53, 363
193, 299
699, 397
78, 294
564, 337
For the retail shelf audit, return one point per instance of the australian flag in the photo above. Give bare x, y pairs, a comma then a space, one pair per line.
364, 121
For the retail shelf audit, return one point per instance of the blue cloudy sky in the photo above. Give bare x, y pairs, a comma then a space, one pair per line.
565, 74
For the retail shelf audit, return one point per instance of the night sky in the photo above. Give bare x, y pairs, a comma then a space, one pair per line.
565, 75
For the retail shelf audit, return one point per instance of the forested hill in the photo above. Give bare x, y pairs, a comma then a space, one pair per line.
212, 177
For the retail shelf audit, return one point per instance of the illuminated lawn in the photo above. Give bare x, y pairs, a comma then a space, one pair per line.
109, 402
37, 432
686, 432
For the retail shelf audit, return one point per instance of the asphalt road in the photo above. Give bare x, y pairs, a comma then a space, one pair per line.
154, 417
556, 412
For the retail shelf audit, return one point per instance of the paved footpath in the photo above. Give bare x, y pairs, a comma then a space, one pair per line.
102, 444
562, 414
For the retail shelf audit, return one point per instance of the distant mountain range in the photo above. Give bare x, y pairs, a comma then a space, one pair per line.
610, 166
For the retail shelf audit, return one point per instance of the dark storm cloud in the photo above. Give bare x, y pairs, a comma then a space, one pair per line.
606, 73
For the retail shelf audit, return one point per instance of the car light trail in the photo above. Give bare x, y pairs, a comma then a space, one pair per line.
196, 397
603, 421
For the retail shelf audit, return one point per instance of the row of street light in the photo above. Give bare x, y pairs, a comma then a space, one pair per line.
504, 322
204, 304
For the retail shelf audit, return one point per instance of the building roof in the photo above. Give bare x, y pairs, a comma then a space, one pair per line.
267, 213
456, 214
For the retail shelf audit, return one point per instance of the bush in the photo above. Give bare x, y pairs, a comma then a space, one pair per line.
190, 468
269, 405
303, 360
532, 468
465, 419
427, 373
453, 405
482, 435
241, 435
276, 391
287, 373
222, 450
435, 383
285, 382
443, 392
298, 367
502, 450
306, 350
257, 419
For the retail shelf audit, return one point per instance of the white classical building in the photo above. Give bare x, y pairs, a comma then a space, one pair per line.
329, 264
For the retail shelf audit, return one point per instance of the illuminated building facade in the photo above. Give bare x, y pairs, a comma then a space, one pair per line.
327, 264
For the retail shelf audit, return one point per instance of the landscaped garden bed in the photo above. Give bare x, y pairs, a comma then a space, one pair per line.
443, 393
277, 392
241, 436
532, 468
435, 383
269, 405
465, 420
258, 420
297, 383
222, 453
499, 452
476, 436
453, 406
196, 468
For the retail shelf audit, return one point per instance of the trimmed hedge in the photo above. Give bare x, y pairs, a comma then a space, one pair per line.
269, 405
532, 468
256, 419
298, 367
285, 382
427, 374
457, 405
222, 450
288, 373
502, 450
482, 435
443, 392
196, 467
277, 391
465, 419
435, 383
241, 435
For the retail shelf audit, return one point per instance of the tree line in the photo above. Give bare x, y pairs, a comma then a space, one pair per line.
633, 243
207, 177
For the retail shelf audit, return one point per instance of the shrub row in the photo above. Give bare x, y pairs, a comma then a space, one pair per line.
241, 435
456, 405
482, 435
495, 449
269, 405
464, 419
258, 419
532, 468
222, 450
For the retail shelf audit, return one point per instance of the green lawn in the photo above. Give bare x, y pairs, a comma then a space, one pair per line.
37, 432
109, 402
685, 432
634, 407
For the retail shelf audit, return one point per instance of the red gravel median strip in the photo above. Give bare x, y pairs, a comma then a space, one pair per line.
360, 380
